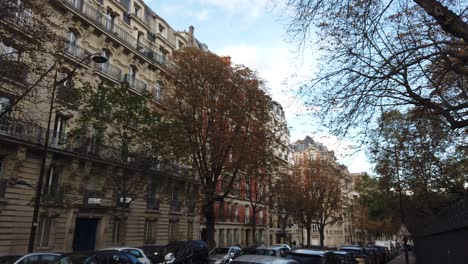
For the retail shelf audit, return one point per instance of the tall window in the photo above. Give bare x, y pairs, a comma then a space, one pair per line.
236, 236
152, 201
52, 180
116, 231
43, 232
131, 75
247, 215
221, 237
158, 91
109, 20
173, 229
189, 230
228, 237
150, 231
59, 129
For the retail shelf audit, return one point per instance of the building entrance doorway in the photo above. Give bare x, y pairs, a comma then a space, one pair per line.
85, 234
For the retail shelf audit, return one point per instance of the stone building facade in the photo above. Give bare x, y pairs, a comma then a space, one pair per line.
138, 45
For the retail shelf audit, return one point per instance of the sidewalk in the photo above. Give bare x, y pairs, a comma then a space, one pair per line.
401, 258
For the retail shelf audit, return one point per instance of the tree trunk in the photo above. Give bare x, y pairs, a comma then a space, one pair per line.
308, 228
208, 212
322, 234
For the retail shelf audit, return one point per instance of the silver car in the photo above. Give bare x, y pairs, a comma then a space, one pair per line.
221, 255
32, 258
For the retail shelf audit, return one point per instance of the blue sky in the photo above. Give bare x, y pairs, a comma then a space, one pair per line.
253, 33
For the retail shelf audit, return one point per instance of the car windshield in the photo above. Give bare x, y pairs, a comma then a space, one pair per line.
305, 259
9, 259
72, 258
218, 251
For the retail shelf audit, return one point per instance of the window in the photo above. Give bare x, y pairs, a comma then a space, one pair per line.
43, 232
152, 201
228, 237
236, 237
314, 228
1, 166
247, 215
136, 10
116, 231
59, 129
8, 52
173, 229
34, 259
52, 181
109, 18
131, 76
221, 237
162, 30
4, 104
260, 217
189, 230
158, 91
150, 231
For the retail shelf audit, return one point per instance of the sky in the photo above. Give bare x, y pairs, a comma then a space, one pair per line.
253, 33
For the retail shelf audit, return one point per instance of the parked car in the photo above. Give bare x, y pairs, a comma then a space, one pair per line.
309, 256
180, 252
358, 252
96, 257
155, 253
381, 253
223, 255
32, 258
275, 251
373, 255
138, 253
282, 245
344, 257
259, 259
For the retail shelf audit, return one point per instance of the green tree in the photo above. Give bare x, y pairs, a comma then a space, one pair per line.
116, 124
424, 157
220, 107
380, 56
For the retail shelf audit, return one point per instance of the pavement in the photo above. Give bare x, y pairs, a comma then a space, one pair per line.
401, 258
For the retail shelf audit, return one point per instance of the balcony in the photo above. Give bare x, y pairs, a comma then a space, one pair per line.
175, 206
136, 84
75, 51
110, 70
152, 203
92, 197
13, 70
122, 34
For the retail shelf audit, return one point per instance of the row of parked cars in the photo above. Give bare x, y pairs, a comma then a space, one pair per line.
197, 252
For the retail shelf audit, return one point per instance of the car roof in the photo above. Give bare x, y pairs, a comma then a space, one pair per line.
118, 248
353, 248
272, 247
262, 259
342, 252
308, 252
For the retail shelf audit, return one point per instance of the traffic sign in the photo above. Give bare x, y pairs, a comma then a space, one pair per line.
403, 232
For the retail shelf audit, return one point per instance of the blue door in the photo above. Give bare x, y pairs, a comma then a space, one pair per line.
85, 234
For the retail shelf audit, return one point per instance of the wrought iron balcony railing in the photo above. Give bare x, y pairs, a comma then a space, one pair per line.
136, 84
92, 197
75, 51
110, 70
108, 25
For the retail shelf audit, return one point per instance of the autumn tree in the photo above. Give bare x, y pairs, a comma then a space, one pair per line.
424, 158
380, 56
220, 106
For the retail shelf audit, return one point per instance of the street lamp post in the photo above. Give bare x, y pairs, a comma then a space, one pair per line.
96, 57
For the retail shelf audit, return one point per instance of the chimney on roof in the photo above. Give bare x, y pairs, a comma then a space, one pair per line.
191, 37
227, 60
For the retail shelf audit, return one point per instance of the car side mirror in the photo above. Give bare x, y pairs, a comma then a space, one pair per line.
231, 254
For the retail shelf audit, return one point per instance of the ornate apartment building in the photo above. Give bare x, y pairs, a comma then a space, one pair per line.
340, 232
137, 44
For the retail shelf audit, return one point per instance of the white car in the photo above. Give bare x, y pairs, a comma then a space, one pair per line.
138, 253
31, 258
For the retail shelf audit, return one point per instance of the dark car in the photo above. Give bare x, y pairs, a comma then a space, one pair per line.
358, 252
97, 257
155, 253
260, 259
275, 251
179, 252
309, 256
381, 253
32, 258
344, 257
373, 255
